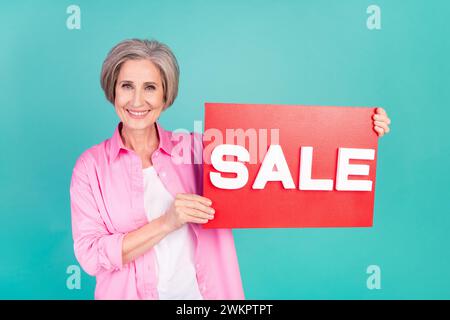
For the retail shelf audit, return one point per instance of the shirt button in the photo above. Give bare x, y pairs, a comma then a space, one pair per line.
156, 153
162, 174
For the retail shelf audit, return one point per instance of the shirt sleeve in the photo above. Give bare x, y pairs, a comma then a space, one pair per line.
96, 249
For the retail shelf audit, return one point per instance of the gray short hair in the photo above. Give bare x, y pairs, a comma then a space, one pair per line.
135, 49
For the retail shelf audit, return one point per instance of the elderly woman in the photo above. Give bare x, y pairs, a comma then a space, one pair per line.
136, 214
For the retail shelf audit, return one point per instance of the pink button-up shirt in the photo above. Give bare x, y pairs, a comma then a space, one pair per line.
107, 202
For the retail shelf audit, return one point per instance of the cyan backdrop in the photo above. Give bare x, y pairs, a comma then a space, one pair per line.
280, 52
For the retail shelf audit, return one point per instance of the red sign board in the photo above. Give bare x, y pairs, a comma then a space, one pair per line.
279, 166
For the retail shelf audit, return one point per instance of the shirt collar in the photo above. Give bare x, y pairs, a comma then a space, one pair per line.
116, 143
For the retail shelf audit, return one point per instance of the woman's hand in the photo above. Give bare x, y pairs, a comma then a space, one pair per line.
188, 208
381, 122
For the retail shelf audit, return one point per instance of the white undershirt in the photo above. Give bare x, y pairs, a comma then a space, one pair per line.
174, 253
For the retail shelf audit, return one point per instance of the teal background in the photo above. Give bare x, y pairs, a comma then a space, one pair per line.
280, 52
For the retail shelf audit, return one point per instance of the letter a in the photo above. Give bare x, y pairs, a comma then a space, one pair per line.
374, 20
74, 20
374, 280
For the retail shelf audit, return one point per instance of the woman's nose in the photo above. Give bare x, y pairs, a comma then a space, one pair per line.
138, 99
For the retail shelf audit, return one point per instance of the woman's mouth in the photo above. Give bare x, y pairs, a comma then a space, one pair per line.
137, 114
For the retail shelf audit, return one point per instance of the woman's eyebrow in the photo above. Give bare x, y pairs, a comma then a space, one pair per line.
145, 83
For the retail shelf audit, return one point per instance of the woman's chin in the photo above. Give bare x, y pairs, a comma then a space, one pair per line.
134, 124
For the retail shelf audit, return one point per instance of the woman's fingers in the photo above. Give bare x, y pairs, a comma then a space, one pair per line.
194, 214
379, 130
382, 125
381, 111
192, 208
198, 220
188, 196
194, 204
381, 122
381, 115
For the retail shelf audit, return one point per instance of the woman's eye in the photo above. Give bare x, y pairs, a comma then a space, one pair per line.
126, 86
150, 88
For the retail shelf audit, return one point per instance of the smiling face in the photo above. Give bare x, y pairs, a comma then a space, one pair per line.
139, 94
